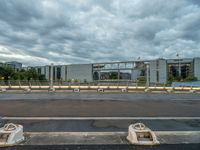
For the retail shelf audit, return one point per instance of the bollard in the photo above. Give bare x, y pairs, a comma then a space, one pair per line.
52, 89
100, 90
3, 89
124, 90
192, 91
76, 90
147, 90
139, 134
11, 134
27, 90
170, 91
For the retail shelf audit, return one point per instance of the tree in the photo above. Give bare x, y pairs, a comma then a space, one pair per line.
113, 75
190, 78
6, 72
31, 74
41, 77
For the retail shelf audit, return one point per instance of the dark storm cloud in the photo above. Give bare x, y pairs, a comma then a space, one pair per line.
38, 32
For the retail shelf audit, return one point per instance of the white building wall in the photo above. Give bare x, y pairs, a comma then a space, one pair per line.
162, 68
55, 73
135, 74
47, 69
197, 68
63, 73
80, 72
43, 70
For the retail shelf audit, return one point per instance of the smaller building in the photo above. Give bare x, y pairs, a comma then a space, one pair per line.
17, 66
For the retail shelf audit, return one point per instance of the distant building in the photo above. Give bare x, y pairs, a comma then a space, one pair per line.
159, 70
2, 64
15, 65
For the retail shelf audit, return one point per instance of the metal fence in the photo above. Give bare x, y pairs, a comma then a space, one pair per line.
65, 83
94, 83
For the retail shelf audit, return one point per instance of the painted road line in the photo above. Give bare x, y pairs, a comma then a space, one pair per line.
100, 118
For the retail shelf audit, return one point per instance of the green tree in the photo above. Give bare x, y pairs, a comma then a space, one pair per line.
142, 80
113, 75
41, 77
32, 74
6, 72
190, 78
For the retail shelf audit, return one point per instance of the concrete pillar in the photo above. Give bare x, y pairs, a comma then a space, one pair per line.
55, 73
147, 84
197, 68
162, 71
63, 73
47, 72
118, 77
43, 70
153, 71
51, 76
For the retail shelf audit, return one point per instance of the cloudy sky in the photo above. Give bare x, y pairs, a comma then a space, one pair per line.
38, 32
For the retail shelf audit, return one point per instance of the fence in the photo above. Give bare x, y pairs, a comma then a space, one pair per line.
66, 83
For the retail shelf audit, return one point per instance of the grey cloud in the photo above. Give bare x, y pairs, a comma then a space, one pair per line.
38, 32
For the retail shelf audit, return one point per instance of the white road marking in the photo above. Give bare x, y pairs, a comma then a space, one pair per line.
100, 118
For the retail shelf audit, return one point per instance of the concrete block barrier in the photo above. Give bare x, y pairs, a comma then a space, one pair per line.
100, 90
124, 90
76, 90
27, 90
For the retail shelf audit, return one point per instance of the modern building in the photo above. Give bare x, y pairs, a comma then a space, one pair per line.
15, 65
159, 70
162, 69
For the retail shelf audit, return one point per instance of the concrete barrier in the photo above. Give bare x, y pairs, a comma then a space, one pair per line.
147, 90
100, 90
27, 90
3, 89
76, 90
192, 91
124, 90
52, 89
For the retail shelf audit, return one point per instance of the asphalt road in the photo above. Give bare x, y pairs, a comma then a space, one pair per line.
98, 96
103, 125
100, 104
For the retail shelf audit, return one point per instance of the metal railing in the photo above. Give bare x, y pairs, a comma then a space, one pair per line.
66, 83
94, 83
